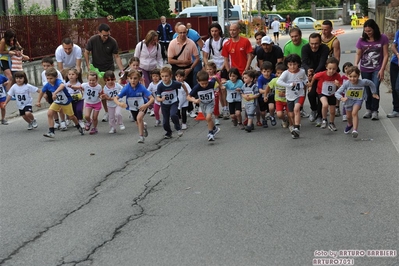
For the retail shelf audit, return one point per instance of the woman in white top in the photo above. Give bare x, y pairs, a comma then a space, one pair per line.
149, 53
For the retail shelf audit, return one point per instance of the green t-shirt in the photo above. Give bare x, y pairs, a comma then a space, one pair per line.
277, 90
290, 48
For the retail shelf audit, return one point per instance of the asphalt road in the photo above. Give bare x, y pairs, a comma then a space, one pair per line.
258, 198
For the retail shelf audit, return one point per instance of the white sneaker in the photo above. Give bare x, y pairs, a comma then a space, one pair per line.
49, 135
122, 127
34, 123
67, 122
344, 118
211, 137
374, 116
82, 124
183, 126
112, 130
180, 133
324, 124
141, 139
63, 126
56, 125
30, 127
105, 117
152, 113
192, 114
217, 122
145, 130
157, 123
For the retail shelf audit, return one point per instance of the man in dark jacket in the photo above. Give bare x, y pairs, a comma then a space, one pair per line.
165, 33
314, 57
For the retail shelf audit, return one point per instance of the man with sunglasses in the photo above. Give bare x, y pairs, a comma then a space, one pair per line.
104, 49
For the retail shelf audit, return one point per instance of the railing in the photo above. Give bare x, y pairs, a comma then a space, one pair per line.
41, 35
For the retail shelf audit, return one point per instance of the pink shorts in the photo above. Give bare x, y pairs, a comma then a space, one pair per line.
95, 106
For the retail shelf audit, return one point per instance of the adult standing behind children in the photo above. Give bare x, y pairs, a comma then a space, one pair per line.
372, 57
165, 33
269, 52
69, 55
237, 51
294, 46
149, 53
104, 49
9, 39
213, 46
314, 58
179, 54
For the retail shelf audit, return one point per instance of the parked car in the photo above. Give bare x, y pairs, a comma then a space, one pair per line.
272, 16
304, 22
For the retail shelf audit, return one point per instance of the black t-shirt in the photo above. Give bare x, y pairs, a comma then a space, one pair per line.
275, 53
102, 52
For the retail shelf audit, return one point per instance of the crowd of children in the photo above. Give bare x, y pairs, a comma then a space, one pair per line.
258, 93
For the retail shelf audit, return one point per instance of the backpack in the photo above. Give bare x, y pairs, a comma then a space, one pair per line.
211, 48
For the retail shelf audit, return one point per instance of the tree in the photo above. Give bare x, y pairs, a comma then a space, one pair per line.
117, 8
146, 9
162, 7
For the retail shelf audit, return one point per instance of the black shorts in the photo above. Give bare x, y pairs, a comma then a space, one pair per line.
262, 105
275, 34
5, 65
235, 106
135, 113
270, 98
27, 108
330, 99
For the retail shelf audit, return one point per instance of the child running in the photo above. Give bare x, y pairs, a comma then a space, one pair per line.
294, 79
62, 100
22, 91
266, 102
91, 94
280, 101
74, 84
156, 79
250, 93
167, 95
3, 97
138, 98
354, 94
112, 89
233, 90
344, 77
213, 74
204, 94
183, 102
326, 88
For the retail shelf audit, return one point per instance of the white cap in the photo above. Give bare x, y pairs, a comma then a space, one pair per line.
266, 40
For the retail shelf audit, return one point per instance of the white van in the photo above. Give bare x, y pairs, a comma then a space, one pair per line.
211, 11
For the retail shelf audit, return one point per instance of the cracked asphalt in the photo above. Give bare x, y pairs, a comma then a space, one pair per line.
258, 198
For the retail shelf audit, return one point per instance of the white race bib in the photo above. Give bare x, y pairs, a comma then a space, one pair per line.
206, 96
135, 103
170, 97
328, 88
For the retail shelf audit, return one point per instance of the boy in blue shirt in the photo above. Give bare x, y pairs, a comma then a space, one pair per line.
264, 105
204, 94
62, 100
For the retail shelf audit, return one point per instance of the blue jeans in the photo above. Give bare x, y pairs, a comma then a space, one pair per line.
169, 111
394, 71
372, 104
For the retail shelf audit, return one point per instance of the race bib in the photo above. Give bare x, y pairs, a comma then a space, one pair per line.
354, 93
250, 94
170, 97
206, 96
135, 103
328, 88
61, 98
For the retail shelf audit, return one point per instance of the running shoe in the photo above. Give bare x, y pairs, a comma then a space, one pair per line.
141, 139
122, 127
180, 133
105, 117
304, 114
347, 129
374, 116
332, 127
354, 134
49, 135
93, 131
112, 130
216, 130
211, 137
34, 123
4, 122
273, 121
367, 114
30, 126
323, 124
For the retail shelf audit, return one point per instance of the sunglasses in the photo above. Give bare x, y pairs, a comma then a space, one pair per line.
110, 79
